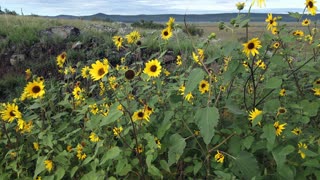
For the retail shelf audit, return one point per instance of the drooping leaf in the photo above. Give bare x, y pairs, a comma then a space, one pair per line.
207, 119
269, 133
176, 148
110, 154
194, 79
246, 165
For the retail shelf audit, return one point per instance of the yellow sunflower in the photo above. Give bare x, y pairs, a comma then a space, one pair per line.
166, 33
85, 72
281, 110
279, 127
77, 93
140, 115
276, 45
204, 86
170, 23
35, 89
98, 70
306, 22
298, 33
117, 131
179, 60
271, 21
302, 146
94, 137
282, 92
133, 37
297, 131
252, 47
219, 157
259, 2
316, 91
310, 5
48, 165
28, 74
153, 68
254, 114
117, 40
10, 112
61, 58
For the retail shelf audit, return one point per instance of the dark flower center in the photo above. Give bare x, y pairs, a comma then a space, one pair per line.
203, 85
36, 89
271, 21
140, 114
63, 56
310, 4
318, 81
119, 39
139, 43
129, 74
101, 71
153, 68
12, 113
251, 45
166, 33
282, 110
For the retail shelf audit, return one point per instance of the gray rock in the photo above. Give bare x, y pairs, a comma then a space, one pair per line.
101, 28
60, 31
16, 59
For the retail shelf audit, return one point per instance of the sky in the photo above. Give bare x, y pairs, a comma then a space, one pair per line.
135, 7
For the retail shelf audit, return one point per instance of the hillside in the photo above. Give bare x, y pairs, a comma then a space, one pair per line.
255, 17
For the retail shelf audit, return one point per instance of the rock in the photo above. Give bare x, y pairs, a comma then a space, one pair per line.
60, 31
101, 28
16, 59
77, 45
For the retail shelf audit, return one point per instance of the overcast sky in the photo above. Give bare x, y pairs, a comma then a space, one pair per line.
134, 7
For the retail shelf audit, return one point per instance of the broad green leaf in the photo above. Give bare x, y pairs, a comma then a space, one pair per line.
73, 171
197, 167
310, 108
93, 122
247, 142
123, 168
176, 148
60, 172
164, 165
91, 175
40, 166
269, 133
110, 154
35, 106
286, 172
312, 163
280, 154
194, 79
207, 119
274, 83
295, 15
154, 171
223, 175
247, 165
114, 114
234, 146
166, 124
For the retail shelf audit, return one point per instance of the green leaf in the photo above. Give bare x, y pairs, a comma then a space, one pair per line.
154, 171
110, 154
93, 122
91, 175
197, 167
35, 106
177, 145
40, 166
310, 108
166, 124
295, 15
123, 168
194, 79
269, 133
247, 142
207, 119
60, 172
274, 83
114, 114
280, 154
246, 165
312, 163
164, 165
73, 171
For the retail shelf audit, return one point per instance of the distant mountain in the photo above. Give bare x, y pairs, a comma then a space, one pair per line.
255, 17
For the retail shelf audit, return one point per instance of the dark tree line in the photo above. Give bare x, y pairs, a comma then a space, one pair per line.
7, 11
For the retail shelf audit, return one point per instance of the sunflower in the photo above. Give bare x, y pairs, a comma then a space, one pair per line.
204, 86
298, 33
259, 2
117, 40
140, 115
153, 68
219, 157
316, 91
182, 88
252, 47
240, 5
282, 92
117, 131
157, 141
302, 146
93, 137
254, 114
28, 74
276, 45
281, 110
10, 112
261, 64
296, 131
133, 37
189, 97
271, 21
98, 70
61, 58
274, 30
179, 60
279, 127
35, 89
166, 33
306, 22
310, 5
85, 72
170, 23
77, 93
148, 110
48, 165
129, 74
